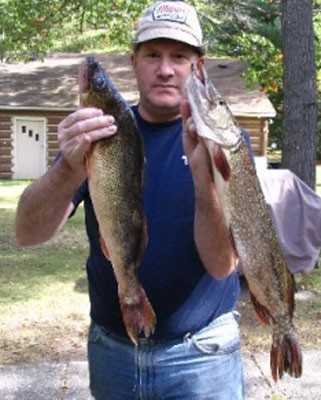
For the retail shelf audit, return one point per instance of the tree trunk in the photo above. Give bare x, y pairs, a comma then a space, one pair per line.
300, 92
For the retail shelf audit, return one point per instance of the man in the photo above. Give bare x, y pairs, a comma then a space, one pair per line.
194, 351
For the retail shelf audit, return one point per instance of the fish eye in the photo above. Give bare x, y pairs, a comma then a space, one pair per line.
99, 82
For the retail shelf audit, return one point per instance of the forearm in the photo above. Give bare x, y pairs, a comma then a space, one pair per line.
45, 205
211, 234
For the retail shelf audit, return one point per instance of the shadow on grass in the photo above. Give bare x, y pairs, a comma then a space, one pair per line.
29, 274
81, 285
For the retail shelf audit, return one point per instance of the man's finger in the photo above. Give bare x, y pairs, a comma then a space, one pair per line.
185, 109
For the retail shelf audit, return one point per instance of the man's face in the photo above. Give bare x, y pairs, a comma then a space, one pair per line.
161, 67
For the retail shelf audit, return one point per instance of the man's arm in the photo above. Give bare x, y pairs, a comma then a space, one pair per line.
211, 234
45, 205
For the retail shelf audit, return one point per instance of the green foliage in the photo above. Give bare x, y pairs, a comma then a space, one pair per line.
265, 68
245, 29
30, 26
123, 16
95, 40
34, 27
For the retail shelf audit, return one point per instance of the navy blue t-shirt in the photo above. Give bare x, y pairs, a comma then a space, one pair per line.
184, 296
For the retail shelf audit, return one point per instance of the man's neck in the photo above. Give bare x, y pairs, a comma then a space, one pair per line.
158, 116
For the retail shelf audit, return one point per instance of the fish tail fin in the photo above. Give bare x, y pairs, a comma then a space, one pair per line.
138, 314
285, 356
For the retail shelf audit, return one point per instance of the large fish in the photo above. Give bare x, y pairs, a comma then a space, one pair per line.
115, 175
246, 213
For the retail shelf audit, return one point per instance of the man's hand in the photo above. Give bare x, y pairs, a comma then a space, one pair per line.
194, 148
79, 130
211, 234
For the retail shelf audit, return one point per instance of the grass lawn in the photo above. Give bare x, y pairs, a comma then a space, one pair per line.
44, 303
43, 290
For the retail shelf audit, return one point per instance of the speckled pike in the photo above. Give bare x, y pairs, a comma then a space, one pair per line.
246, 213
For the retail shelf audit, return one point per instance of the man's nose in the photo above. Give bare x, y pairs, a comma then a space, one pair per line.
165, 68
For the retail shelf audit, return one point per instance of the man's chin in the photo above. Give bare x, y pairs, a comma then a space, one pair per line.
165, 104
160, 108
168, 109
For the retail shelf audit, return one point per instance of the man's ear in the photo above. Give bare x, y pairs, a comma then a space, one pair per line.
201, 61
133, 60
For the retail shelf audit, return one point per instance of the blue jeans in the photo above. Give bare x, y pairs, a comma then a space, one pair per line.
205, 365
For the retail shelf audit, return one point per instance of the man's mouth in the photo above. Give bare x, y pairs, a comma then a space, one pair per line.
164, 86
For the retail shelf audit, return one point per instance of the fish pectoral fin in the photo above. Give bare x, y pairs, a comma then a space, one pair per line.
218, 158
104, 248
262, 312
221, 163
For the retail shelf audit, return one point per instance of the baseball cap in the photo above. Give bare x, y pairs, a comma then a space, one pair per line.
174, 20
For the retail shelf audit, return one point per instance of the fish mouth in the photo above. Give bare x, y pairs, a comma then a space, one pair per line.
206, 88
91, 74
210, 110
200, 76
96, 74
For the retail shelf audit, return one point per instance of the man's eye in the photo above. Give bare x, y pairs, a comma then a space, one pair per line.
152, 55
179, 58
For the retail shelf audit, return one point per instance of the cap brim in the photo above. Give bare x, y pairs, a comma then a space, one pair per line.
170, 33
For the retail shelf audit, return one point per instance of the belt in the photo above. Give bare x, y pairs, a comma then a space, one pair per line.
121, 338
174, 339
141, 340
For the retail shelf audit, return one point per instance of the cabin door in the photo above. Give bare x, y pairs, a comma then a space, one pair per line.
30, 148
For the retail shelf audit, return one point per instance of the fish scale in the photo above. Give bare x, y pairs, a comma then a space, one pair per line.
246, 213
